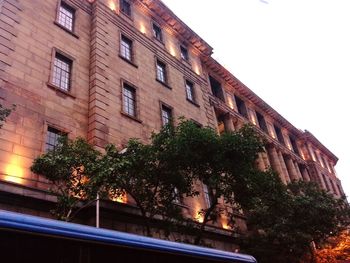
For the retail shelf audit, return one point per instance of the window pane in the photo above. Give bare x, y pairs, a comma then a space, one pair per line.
166, 115
66, 16
161, 74
189, 91
52, 138
184, 53
157, 32
62, 72
125, 7
129, 102
125, 48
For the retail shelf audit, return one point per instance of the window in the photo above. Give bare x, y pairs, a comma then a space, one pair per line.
262, 122
126, 48
208, 197
279, 134
161, 72
125, 7
62, 72
157, 32
190, 91
216, 88
242, 109
66, 16
167, 115
129, 100
52, 138
184, 53
294, 145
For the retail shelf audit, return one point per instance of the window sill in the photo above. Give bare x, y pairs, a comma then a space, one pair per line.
186, 61
127, 16
193, 102
158, 41
128, 61
163, 83
130, 117
60, 91
66, 29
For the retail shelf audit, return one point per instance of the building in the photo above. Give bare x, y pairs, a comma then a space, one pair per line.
110, 70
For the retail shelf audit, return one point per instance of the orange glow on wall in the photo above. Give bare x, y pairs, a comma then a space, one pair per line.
230, 101
196, 68
199, 217
119, 198
172, 50
112, 5
14, 171
142, 28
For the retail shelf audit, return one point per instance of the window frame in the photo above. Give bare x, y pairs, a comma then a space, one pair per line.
164, 105
165, 73
194, 92
47, 126
187, 56
51, 84
160, 39
130, 7
74, 18
135, 117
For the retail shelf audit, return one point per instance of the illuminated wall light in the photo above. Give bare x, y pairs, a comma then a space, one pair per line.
199, 217
172, 50
230, 101
196, 69
14, 171
112, 5
119, 198
142, 28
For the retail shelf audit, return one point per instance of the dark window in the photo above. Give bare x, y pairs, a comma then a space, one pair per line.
125, 7
190, 91
279, 134
161, 72
129, 100
262, 122
52, 138
242, 109
216, 88
326, 182
166, 115
66, 16
126, 48
184, 53
62, 72
157, 32
294, 145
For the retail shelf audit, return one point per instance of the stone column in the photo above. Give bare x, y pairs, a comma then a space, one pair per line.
284, 167
275, 162
291, 169
260, 162
298, 170
305, 174
228, 122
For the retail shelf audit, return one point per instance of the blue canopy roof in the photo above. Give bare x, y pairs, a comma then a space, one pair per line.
33, 224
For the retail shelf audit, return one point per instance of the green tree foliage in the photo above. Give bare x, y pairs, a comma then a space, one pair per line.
70, 167
4, 113
287, 219
148, 174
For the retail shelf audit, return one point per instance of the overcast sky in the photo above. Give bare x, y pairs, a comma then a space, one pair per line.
295, 54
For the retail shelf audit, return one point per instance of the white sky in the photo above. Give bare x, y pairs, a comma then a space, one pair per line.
295, 54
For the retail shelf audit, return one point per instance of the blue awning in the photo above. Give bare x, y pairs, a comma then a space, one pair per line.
33, 224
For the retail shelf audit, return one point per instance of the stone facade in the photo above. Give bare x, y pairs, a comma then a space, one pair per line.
32, 37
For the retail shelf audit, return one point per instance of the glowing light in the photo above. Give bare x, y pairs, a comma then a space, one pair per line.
14, 171
112, 5
196, 69
120, 198
199, 217
142, 28
225, 226
172, 51
230, 101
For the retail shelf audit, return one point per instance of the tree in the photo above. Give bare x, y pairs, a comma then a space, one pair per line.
4, 113
148, 173
70, 167
284, 223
